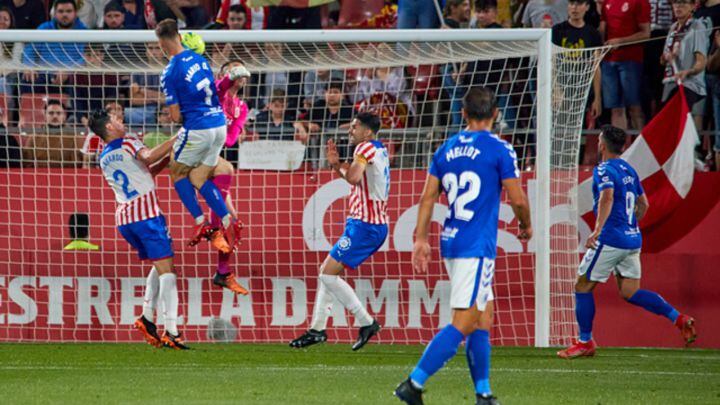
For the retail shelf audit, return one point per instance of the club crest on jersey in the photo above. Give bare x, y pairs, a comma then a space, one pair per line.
344, 243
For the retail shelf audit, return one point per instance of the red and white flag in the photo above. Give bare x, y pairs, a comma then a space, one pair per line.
663, 156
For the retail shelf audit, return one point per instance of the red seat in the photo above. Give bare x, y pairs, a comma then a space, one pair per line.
425, 80
32, 108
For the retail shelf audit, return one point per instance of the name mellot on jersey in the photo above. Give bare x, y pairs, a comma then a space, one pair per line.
462, 151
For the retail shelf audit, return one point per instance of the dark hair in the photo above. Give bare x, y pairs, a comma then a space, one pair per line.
53, 101
237, 8
335, 84
277, 94
97, 122
485, 4
57, 2
369, 120
449, 5
579, 1
10, 13
167, 29
479, 103
114, 6
613, 138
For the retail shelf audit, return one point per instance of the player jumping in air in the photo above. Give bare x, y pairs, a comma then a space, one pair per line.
128, 168
233, 77
365, 230
614, 246
190, 93
472, 168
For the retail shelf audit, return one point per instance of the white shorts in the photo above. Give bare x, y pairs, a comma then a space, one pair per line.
470, 282
599, 263
199, 146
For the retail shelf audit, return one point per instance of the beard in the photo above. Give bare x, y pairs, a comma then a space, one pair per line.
65, 25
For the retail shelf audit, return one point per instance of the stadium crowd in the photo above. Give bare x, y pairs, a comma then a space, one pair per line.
44, 113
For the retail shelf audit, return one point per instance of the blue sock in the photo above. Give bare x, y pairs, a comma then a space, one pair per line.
585, 313
441, 349
188, 196
214, 199
654, 303
477, 350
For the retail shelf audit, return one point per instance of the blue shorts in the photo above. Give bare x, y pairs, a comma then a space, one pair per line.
151, 238
621, 83
359, 241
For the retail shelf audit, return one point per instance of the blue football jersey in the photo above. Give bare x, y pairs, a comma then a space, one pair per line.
621, 229
471, 167
188, 80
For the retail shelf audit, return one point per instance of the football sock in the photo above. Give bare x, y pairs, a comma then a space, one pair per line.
346, 295
322, 308
214, 200
188, 196
169, 298
654, 303
585, 313
223, 266
477, 351
441, 349
152, 285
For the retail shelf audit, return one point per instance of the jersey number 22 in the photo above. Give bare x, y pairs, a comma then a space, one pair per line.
452, 184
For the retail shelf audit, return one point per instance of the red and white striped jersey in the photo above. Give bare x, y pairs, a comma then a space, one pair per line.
368, 199
130, 179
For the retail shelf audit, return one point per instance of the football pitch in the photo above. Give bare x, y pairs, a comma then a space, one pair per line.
333, 374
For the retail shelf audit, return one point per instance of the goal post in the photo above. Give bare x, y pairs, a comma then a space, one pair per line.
297, 209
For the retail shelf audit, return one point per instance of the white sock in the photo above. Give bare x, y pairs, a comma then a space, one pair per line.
169, 298
200, 220
322, 308
152, 287
226, 221
346, 295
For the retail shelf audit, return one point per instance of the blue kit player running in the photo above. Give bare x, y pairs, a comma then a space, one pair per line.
365, 231
472, 168
190, 93
129, 168
614, 246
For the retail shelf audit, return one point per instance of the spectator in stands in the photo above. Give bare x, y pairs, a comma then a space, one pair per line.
575, 33
274, 80
195, 14
544, 13
10, 154
456, 13
237, 19
255, 17
92, 89
713, 68
325, 116
55, 144
684, 58
7, 50
158, 10
291, 18
113, 16
134, 14
624, 22
145, 94
275, 123
661, 17
316, 82
709, 13
417, 14
162, 132
62, 54
384, 89
27, 14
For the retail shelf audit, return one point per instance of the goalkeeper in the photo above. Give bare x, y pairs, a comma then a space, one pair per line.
233, 78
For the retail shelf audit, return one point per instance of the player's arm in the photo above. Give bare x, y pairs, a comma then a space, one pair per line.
605, 204
174, 110
520, 206
641, 206
152, 156
352, 173
421, 248
171, 97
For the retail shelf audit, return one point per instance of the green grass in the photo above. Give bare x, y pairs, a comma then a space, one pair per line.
332, 374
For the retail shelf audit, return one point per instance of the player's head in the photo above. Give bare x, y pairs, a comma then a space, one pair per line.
65, 13
236, 17
577, 9
479, 104
486, 12
334, 93
612, 141
229, 65
363, 127
55, 113
168, 37
105, 125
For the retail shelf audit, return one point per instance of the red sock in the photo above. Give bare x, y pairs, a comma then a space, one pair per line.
222, 182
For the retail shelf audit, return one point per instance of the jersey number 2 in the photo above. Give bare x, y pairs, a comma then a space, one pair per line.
122, 179
452, 184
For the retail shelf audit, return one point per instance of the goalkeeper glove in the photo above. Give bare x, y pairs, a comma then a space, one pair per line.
238, 72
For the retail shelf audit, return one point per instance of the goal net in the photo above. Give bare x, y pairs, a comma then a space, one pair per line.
67, 275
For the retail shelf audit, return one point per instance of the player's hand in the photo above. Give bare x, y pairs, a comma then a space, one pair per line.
526, 232
421, 256
238, 72
592, 240
333, 157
